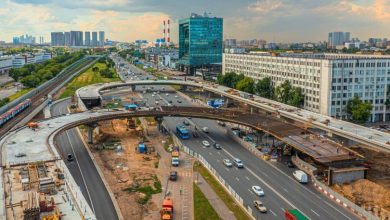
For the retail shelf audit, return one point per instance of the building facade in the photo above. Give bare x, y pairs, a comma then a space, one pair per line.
338, 39
76, 38
94, 39
67, 38
5, 64
328, 81
101, 38
200, 41
57, 39
87, 40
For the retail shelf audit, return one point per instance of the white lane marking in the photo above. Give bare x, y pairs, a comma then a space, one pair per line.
218, 160
247, 178
237, 179
218, 153
250, 191
314, 212
210, 153
283, 209
78, 165
273, 213
285, 190
226, 169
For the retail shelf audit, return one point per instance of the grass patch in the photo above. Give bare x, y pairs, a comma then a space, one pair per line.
238, 212
148, 191
87, 78
168, 142
176, 87
19, 93
202, 207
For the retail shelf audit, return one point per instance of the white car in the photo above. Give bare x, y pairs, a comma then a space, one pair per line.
153, 95
206, 143
176, 96
205, 129
227, 162
258, 190
166, 94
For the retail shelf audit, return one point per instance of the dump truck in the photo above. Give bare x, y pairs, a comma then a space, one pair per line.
294, 214
167, 209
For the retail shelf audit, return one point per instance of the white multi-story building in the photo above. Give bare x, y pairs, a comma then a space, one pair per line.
5, 64
328, 81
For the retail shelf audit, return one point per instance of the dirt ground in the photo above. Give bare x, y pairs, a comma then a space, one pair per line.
127, 168
372, 193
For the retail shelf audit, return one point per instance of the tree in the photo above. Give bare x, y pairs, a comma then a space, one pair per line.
264, 88
30, 81
296, 97
357, 110
282, 92
246, 85
95, 69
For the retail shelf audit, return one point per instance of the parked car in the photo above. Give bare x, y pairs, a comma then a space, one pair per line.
206, 143
173, 175
301, 176
70, 157
221, 123
217, 146
205, 129
227, 162
238, 163
195, 134
179, 101
258, 190
186, 122
259, 206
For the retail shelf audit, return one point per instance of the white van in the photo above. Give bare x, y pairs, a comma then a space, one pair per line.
301, 176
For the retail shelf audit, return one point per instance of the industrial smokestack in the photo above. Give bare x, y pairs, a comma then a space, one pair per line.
169, 32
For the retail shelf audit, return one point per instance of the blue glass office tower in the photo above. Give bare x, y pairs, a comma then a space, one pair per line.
200, 42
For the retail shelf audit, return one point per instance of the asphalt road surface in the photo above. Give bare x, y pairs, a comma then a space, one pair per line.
282, 191
83, 170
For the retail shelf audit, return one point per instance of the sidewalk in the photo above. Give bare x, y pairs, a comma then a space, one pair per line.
218, 205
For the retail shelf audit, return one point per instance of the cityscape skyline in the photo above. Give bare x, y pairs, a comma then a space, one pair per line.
276, 21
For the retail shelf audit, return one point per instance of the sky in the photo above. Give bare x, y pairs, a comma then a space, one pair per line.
128, 20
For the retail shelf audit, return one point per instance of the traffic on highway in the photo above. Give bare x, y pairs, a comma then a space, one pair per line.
263, 185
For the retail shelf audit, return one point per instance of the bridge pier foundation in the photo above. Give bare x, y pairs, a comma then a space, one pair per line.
159, 121
91, 127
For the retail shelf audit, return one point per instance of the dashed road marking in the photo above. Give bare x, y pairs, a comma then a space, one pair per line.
314, 212
247, 178
273, 213
237, 179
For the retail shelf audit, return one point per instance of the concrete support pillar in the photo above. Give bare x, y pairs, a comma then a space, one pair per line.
159, 121
90, 135
251, 110
184, 88
132, 88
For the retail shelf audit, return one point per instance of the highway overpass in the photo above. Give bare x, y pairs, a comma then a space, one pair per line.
359, 134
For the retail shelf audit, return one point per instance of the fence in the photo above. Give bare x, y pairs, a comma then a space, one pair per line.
206, 164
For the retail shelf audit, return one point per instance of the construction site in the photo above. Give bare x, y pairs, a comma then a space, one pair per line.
130, 164
38, 191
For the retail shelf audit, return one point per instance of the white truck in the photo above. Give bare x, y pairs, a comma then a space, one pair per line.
301, 176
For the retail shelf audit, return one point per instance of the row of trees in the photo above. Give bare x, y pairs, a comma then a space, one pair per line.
107, 72
284, 93
4, 101
32, 75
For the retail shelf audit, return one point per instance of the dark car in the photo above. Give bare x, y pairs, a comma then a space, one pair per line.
217, 146
221, 123
290, 164
173, 176
170, 101
179, 101
195, 134
70, 157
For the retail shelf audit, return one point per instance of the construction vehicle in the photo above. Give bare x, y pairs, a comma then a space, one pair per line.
294, 214
175, 153
33, 125
167, 209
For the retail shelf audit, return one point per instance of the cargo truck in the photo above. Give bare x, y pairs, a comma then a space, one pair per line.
167, 209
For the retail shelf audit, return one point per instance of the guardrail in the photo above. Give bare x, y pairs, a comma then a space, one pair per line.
208, 166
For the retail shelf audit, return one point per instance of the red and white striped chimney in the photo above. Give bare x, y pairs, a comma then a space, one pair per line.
164, 34
169, 32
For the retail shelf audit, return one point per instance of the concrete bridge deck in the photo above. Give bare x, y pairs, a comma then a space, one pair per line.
372, 138
38, 144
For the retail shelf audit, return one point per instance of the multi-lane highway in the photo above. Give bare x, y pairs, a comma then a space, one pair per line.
83, 169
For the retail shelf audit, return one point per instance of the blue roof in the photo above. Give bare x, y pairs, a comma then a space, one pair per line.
131, 106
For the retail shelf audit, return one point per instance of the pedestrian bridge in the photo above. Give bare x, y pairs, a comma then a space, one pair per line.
39, 144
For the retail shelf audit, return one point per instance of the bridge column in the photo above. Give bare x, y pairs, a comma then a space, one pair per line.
251, 110
132, 88
184, 88
159, 120
91, 127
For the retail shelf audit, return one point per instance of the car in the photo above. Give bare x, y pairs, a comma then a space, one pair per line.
206, 143
173, 175
290, 164
166, 94
70, 157
227, 162
170, 101
153, 95
205, 129
258, 190
186, 122
176, 96
221, 123
238, 163
195, 134
259, 206
217, 146
179, 101
156, 103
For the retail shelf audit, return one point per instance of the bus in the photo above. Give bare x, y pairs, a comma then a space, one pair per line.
182, 132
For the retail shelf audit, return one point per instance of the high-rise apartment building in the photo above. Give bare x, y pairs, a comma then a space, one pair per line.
101, 38
87, 39
94, 39
338, 39
76, 38
57, 39
200, 42
67, 38
328, 81
230, 43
